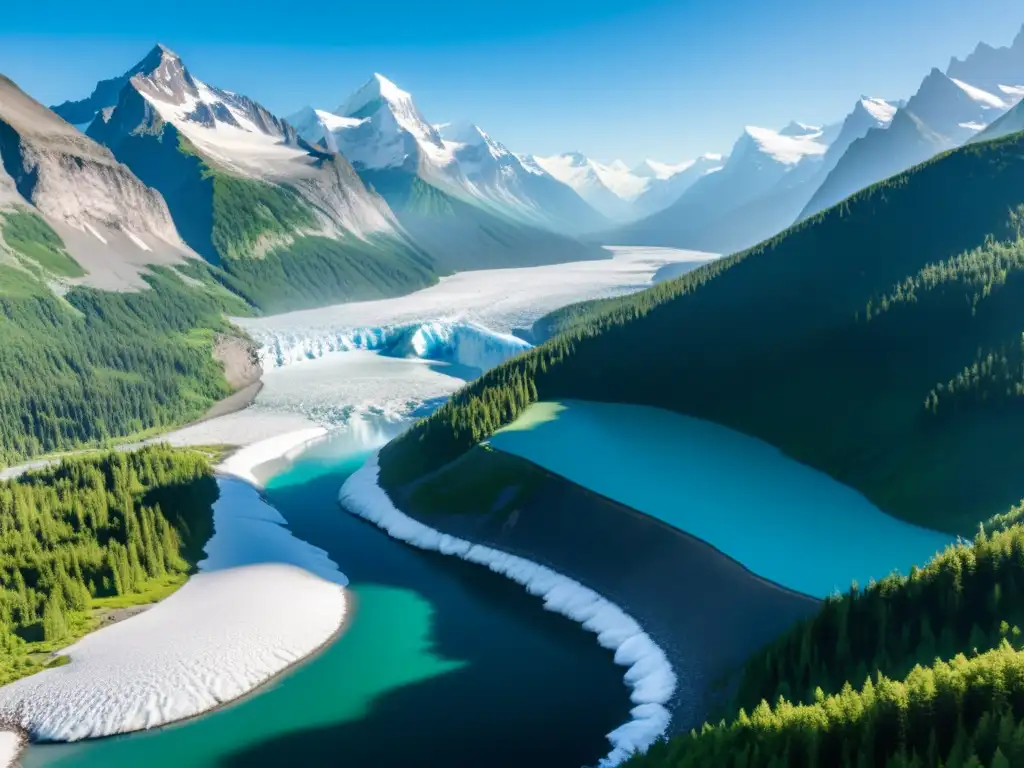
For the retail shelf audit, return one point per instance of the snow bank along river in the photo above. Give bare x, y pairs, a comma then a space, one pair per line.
649, 675
261, 601
443, 663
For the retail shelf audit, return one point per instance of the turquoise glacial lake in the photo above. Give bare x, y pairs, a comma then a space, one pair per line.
444, 664
779, 518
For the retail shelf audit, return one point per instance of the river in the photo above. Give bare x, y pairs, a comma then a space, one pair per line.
444, 663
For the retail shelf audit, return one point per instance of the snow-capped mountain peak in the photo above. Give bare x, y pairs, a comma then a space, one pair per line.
573, 159
652, 169
878, 109
379, 126
380, 99
463, 132
365, 99
232, 129
785, 148
954, 108
988, 67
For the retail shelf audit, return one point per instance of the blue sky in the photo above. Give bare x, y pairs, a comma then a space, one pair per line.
629, 79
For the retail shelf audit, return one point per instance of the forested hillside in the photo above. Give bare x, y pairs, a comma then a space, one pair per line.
88, 532
878, 341
94, 364
923, 670
964, 713
966, 599
259, 234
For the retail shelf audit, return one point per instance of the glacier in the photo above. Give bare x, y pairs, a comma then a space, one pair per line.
464, 343
649, 673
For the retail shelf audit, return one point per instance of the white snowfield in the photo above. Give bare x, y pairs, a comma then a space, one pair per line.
242, 463
472, 311
11, 743
649, 673
787, 148
883, 111
579, 172
262, 601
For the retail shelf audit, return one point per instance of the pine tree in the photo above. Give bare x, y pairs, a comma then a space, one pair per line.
54, 625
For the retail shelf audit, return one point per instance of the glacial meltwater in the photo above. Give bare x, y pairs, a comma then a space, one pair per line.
781, 519
442, 663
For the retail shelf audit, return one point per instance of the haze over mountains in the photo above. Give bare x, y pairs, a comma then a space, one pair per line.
773, 179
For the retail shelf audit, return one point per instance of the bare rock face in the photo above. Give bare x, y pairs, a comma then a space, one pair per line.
72, 180
240, 358
162, 106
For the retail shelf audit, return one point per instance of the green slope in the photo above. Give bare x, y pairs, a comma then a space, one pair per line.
924, 670
30, 237
963, 713
259, 234
831, 341
94, 364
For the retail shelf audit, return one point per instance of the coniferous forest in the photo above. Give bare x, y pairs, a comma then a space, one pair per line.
97, 364
79, 533
923, 670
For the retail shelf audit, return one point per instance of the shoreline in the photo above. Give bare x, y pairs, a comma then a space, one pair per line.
350, 608
49, 691
669, 529
649, 674
14, 740
236, 402
628, 557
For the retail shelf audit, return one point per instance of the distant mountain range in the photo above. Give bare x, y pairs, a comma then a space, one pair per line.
462, 195
382, 200
775, 178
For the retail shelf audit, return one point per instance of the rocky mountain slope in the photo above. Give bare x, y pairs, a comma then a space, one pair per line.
948, 109
289, 223
55, 180
466, 199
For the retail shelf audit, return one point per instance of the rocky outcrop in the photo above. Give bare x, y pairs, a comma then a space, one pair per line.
240, 358
71, 179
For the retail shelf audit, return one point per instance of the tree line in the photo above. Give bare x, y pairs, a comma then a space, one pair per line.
967, 712
97, 364
91, 528
912, 672
965, 600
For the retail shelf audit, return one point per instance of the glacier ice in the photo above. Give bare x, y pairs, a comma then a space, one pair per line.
463, 343
262, 600
649, 673
496, 299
